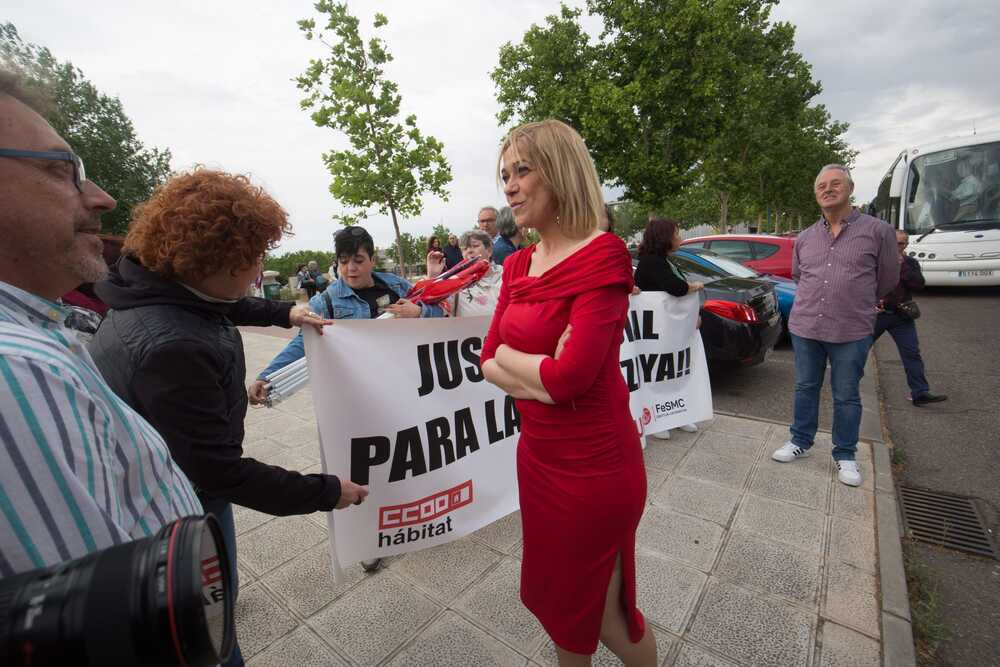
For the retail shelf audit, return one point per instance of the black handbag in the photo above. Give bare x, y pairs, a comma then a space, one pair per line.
908, 309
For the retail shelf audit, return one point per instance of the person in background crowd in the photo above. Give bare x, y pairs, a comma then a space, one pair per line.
318, 278
843, 264
487, 221
306, 280
902, 327
554, 345
69, 445
509, 236
171, 350
434, 245
452, 252
656, 273
479, 298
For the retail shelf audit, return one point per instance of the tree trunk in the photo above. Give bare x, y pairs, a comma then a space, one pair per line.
401, 260
723, 212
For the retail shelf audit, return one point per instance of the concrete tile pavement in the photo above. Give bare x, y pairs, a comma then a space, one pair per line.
741, 561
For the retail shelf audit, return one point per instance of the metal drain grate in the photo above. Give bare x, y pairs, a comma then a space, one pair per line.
950, 521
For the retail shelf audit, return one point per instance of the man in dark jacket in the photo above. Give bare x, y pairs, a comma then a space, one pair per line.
902, 327
170, 347
452, 253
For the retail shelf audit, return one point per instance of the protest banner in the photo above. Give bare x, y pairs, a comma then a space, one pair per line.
663, 362
403, 408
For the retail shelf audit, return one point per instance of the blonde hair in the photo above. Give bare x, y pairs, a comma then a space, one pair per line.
557, 152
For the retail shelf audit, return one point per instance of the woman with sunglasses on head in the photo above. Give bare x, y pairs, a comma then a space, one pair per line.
359, 293
554, 345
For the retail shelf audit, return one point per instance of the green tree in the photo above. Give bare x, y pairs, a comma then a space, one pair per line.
390, 164
687, 104
413, 250
94, 124
286, 263
442, 232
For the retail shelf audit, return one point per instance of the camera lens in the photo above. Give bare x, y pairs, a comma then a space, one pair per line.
162, 600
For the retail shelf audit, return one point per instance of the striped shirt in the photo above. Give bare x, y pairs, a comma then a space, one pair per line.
80, 470
841, 279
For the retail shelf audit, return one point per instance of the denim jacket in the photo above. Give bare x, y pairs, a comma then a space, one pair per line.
346, 306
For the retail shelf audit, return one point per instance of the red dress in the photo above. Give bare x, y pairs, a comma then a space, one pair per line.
582, 482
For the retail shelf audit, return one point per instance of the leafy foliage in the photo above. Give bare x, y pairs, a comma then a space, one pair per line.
390, 164
94, 124
694, 107
286, 263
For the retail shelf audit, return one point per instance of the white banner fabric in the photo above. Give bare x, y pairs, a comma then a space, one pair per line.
403, 409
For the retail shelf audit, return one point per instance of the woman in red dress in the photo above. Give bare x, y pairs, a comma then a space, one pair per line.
553, 345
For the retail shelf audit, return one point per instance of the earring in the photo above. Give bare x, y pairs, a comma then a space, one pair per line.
557, 220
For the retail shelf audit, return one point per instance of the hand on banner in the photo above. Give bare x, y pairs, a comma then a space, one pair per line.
562, 340
301, 316
350, 494
636, 291
404, 308
694, 287
257, 392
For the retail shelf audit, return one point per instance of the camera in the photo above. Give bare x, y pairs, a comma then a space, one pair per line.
161, 600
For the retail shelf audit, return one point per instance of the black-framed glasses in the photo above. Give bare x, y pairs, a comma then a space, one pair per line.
79, 174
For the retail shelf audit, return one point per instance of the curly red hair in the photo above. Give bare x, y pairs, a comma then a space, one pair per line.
200, 221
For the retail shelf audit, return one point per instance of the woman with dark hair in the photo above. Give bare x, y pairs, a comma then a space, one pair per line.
656, 273
433, 244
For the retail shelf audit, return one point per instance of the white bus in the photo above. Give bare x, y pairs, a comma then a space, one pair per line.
946, 196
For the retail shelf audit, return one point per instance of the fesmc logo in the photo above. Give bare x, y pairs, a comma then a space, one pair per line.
647, 416
403, 518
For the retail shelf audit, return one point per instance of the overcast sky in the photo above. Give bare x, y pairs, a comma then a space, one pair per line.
212, 81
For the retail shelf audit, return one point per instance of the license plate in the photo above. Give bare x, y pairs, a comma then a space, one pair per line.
974, 274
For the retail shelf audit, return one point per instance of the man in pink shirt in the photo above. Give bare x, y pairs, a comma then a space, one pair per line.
843, 264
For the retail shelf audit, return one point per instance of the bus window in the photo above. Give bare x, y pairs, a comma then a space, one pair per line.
951, 187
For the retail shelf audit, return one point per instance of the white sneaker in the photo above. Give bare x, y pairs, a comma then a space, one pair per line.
662, 435
689, 428
849, 473
789, 452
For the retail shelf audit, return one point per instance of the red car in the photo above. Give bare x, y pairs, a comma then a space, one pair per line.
761, 252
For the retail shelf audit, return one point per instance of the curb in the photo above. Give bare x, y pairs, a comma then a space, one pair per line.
897, 630
871, 417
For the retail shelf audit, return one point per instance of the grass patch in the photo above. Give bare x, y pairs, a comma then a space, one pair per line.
897, 456
929, 628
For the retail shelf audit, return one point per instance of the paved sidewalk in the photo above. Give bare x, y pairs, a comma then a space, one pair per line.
741, 561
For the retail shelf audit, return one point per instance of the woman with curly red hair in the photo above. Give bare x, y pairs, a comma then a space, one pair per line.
170, 347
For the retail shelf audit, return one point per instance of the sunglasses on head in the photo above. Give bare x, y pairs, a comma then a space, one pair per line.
351, 232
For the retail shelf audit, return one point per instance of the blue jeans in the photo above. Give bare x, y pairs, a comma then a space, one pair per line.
223, 511
847, 366
904, 333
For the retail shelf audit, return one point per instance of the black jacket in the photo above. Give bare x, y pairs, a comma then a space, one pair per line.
653, 274
178, 361
911, 279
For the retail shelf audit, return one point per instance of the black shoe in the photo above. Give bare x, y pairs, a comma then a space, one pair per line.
371, 565
929, 398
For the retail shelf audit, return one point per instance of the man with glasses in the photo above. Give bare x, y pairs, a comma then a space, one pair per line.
897, 317
80, 470
487, 222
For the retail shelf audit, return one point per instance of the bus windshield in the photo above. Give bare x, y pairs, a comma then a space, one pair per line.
954, 188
